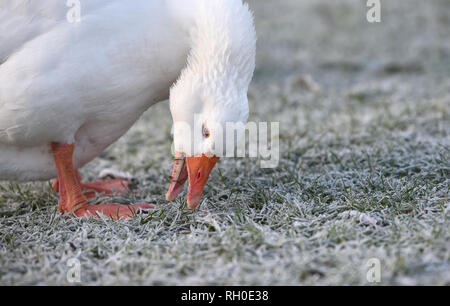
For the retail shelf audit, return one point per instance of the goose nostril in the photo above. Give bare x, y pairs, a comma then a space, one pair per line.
198, 176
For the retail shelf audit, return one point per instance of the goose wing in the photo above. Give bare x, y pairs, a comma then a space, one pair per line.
23, 20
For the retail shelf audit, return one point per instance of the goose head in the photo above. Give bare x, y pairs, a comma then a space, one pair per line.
210, 95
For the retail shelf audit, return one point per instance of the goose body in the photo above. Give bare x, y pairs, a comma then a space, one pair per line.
85, 82
70, 89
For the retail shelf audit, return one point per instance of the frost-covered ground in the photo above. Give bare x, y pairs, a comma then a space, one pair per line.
364, 170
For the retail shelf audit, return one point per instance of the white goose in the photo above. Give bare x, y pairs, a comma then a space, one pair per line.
69, 90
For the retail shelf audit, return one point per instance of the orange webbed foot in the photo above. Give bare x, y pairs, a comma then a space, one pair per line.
72, 198
111, 210
106, 187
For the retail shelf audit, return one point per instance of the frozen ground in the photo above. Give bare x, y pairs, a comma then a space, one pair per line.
364, 170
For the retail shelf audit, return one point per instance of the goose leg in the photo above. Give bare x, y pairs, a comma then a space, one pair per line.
72, 199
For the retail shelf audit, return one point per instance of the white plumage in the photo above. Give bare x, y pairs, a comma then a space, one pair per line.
88, 82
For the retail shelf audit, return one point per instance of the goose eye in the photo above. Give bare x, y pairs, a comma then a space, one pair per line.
206, 132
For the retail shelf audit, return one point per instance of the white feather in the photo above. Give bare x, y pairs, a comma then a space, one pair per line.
88, 82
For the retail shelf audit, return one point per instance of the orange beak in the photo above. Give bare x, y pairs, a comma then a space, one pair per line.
179, 177
199, 169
